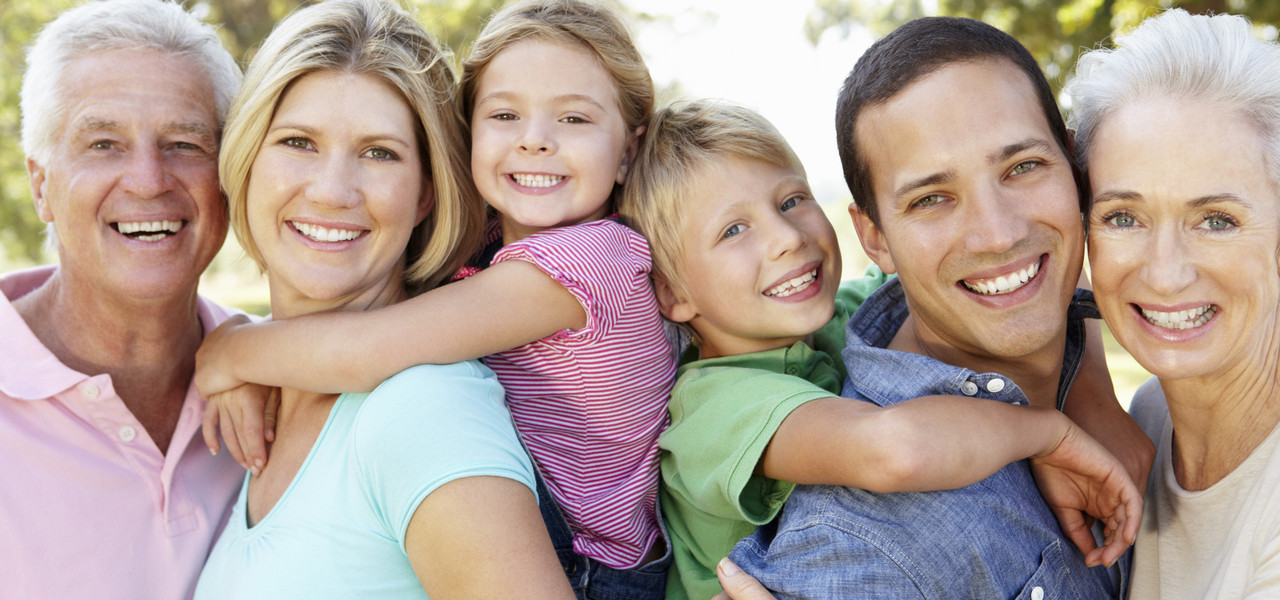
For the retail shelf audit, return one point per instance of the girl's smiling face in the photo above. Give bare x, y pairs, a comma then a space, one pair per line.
548, 141
1184, 235
335, 192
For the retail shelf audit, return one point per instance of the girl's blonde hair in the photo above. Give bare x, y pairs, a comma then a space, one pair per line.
597, 26
376, 38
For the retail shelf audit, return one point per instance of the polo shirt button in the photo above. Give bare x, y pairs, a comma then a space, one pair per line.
1037, 593
995, 385
127, 433
89, 391
968, 388
793, 370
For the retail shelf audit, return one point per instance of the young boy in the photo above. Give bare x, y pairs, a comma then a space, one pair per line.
746, 259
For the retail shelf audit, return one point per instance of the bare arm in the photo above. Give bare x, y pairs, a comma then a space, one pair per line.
482, 538
1092, 404
507, 305
930, 443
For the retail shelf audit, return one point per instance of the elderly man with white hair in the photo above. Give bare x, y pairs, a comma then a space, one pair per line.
106, 489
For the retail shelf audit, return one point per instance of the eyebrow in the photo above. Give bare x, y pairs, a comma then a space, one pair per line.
928, 180
1199, 202
366, 139
509, 96
1016, 148
98, 124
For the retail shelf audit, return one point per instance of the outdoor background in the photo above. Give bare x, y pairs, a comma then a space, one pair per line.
786, 59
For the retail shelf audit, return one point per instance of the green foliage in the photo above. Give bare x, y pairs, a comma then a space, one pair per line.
242, 25
1055, 31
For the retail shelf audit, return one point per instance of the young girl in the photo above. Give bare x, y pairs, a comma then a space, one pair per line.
556, 96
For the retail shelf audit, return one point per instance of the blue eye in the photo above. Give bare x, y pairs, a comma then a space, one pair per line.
1217, 221
1122, 220
789, 203
732, 231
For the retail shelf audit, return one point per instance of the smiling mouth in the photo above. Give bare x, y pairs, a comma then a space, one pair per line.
792, 286
149, 231
1182, 319
1004, 284
536, 181
325, 234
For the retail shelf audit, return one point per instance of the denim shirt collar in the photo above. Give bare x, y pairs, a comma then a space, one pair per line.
887, 377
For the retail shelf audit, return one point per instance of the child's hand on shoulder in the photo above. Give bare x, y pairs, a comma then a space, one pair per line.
246, 417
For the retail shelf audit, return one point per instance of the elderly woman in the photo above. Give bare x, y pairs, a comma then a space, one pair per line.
343, 149
1179, 128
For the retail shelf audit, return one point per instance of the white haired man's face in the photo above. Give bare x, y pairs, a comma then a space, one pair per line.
132, 184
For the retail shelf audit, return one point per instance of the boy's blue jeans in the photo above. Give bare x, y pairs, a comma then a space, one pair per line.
592, 580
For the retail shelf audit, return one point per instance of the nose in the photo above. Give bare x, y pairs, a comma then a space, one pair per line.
783, 236
1168, 266
994, 221
536, 138
334, 183
147, 175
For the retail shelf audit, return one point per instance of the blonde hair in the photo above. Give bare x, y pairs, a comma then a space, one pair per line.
683, 140
376, 38
596, 26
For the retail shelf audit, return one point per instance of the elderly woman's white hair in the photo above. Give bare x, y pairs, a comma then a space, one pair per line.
114, 25
1216, 59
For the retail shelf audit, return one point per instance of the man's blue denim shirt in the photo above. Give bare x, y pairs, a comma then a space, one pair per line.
993, 539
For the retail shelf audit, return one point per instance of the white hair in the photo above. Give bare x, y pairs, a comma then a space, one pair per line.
1217, 59
105, 25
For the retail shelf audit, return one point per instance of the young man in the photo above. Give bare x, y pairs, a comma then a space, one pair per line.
960, 168
752, 270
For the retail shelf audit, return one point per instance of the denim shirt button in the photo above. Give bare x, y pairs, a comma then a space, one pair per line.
1037, 593
995, 385
968, 388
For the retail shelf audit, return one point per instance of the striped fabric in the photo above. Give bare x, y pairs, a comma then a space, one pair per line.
590, 403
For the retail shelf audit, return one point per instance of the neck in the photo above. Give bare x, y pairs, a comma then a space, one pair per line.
147, 347
1036, 373
1220, 419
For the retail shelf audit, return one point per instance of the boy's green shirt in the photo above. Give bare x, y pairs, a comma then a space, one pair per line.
724, 412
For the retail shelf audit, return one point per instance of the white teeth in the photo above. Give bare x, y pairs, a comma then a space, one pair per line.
536, 181
792, 286
1183, 319
324, 234
1004, 283
148, 231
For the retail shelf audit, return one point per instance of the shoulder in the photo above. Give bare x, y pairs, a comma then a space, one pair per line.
599, 242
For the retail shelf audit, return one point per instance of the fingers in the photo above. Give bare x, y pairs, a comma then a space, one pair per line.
227, 426
1073, 526
269, 415
738, 585
209, 428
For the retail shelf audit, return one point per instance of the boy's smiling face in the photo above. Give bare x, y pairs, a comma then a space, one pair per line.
760, 262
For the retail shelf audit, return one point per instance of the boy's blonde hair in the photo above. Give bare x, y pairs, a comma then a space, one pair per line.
596, 26
683, 140
376, 38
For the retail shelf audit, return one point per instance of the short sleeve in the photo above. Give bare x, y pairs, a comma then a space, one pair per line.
429, 425
722, 419
602, 263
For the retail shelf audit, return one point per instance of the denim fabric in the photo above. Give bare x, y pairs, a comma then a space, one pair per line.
592, 580
992, 539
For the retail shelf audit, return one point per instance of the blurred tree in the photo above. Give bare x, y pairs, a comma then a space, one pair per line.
242, 24
1055, 31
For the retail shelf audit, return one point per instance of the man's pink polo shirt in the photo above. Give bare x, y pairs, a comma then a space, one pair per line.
89, 507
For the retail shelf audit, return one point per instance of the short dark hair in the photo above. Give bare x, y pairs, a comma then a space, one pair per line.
911, 52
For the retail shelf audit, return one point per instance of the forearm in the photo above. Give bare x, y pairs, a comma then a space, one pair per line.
930, 443
1092, 404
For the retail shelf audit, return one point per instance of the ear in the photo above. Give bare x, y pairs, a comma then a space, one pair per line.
672, 302
427, 201
872, 239
629, 154
36, 173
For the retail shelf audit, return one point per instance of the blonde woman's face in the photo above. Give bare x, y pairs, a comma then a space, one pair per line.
336, 189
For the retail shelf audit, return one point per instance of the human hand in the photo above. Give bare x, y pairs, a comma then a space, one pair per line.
738, 584
246, 416
213, 360
1079, 478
